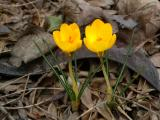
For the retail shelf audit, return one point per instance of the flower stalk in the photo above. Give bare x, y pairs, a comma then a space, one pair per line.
75, 104
74, 82
109, 88
98, 41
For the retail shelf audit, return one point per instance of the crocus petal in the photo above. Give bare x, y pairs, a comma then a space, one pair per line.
97, 24
90, 34
107, 31
112, 42
79, 44
56, 36
75, 30
88, 44
64, 32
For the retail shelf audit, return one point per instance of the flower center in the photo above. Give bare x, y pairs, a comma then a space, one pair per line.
70, 39
99, 39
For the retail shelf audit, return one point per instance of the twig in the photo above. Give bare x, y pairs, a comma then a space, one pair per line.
123, 112
13, 81
11, 101
90, 109
25, 87
20, 5
40, 79
33, 99
6, 113
37, 83
30, 89
29, 106
6, 51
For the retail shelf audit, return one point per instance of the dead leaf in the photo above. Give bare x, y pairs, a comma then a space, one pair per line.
52, 110
138, 62
154, 117
145, 12
73, 116
124, 21
80, 11
101, 3
104, 111
87, 99
25, 49
2, 46
138, 37
11, 88
155, 59
124, 113
158, 72
4, 30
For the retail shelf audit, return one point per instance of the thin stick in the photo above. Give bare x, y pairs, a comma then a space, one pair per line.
6, 113
11, 101
29, 106
13, 81
25, 87
20, 5
30, 89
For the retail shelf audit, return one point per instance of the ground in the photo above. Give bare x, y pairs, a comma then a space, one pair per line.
29, 90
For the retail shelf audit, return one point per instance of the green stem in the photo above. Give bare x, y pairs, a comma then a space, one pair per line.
109, 88
75, 104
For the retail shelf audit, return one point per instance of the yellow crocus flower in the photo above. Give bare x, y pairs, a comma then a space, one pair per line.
68, 39
99, 37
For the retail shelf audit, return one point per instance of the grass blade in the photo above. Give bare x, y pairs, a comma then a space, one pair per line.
128, 84
65, 84
88, 80
120, 77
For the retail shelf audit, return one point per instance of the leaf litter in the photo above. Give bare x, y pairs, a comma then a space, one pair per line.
41, 96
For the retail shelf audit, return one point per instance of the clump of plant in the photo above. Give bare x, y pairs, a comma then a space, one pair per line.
98, 39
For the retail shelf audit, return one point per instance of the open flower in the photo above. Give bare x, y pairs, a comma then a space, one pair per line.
68, 39
99, 37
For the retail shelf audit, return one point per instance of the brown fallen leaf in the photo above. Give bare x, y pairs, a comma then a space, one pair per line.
145, 12
2, 46
155, 59
137, 62
25, 49
52, 110
101, 3
4, 30
86, 98
73, 116
138, 37
158, 72
104, 111
80, 11
124, 21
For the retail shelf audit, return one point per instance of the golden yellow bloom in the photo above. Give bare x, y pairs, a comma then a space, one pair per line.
68, 39
99, 37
